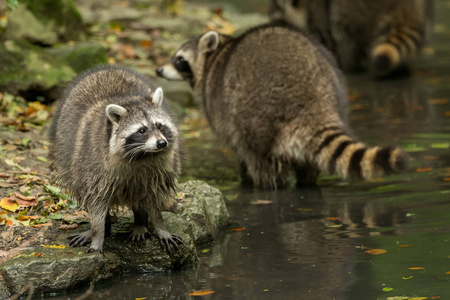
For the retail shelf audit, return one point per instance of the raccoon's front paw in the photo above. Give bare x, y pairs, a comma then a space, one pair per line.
80, 239
93, 250
139, 235
168, 241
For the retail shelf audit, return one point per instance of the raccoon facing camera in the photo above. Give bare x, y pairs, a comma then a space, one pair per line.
115, 143
279, 101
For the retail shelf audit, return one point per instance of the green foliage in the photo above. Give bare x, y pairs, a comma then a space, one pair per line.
12, 3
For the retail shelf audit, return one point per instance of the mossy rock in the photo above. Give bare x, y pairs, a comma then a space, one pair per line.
45, 22
40, 73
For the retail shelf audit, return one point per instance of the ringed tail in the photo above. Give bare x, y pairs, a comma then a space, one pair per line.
394, 48
335, 152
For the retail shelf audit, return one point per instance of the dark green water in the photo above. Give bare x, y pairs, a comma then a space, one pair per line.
290, 249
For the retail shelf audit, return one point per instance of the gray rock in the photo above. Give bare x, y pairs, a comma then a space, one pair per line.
201, 217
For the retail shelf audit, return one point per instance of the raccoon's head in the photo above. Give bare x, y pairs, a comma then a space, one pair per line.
290, 11
140, 127
189, 60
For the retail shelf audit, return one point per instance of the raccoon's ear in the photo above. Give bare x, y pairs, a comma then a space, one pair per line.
157, 97
115, 112
209, 41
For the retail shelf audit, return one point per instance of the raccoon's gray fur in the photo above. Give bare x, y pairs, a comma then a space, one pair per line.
113, 142
381, 35
279, 101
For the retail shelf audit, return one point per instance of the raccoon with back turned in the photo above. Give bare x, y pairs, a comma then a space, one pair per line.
114, 142
382, 36
279, 101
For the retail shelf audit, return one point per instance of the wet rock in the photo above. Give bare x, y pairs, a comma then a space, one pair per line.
201, 217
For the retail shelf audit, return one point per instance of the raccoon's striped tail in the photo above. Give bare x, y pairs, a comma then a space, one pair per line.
394, 48
335, 152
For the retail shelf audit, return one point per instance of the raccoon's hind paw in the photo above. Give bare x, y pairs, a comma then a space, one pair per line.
80, 239
168, 241
139, 235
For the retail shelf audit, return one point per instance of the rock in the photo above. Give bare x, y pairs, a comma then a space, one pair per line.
201, 217
36, 73
35, 22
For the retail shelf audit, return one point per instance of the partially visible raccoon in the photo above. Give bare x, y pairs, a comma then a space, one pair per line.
114, 142
279, 101
382, 35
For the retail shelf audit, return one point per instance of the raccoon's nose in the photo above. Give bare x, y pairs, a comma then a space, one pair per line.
159, 72
161, 144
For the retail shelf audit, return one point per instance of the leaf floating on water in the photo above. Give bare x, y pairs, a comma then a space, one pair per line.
201, 293
387, 289
407, 277
448, 273
238, 229
418, 298
438, 101
436, 297
375, 251
405, 245
140, 298
261, 202
420, 170
304, 209
417, 268
398, 298
205, 250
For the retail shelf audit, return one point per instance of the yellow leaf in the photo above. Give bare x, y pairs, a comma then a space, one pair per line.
417, 268
7, 204
376, 251
54, 246
201, 293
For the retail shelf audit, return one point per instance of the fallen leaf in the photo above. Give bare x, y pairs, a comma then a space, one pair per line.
375, 251
201, 293
332, 218
334, 226
261, 202
41, 225
9, 205
417, 268
448, 273
407, 277
436, 297
405, 245
438, 101
24, 198
146, 44
238, 229
4, 175
54, 246
387, 289
24, 218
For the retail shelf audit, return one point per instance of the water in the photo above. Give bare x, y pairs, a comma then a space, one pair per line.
312, 243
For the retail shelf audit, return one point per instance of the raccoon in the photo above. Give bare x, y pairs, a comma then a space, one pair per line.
382, 36
279, 101
114, 142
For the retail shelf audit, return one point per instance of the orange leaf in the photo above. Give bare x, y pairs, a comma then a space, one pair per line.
238, 229
447, 179
448, 273
332, 218
147, 44
24, 198
405, 245
9, 204
438, 101
376, 251
419, 170
201, 293
417, 268
9, 223
41, 225
436, 297
24, 218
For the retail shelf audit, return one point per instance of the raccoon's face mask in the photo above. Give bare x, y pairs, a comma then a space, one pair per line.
187, 63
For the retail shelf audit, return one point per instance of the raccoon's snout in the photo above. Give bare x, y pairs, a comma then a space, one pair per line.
161, 144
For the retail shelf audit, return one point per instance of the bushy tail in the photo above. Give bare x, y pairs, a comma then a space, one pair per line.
335, 152
394, 48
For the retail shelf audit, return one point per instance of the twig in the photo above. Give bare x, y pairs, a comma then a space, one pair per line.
87, 293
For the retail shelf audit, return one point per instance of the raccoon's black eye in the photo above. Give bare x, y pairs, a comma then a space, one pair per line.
158, 125
142, 131
181, 65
